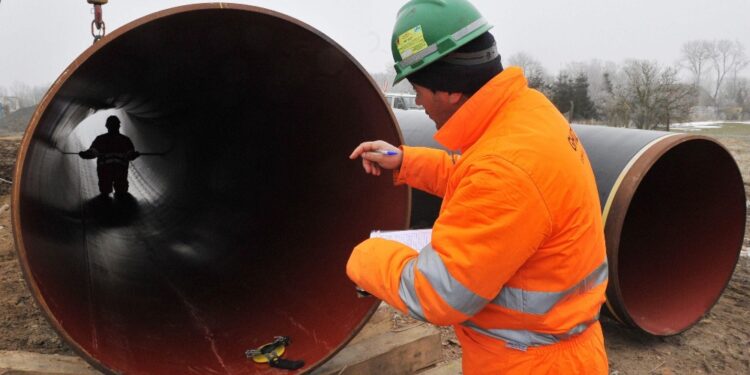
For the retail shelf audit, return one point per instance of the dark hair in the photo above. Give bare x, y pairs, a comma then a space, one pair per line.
456, 72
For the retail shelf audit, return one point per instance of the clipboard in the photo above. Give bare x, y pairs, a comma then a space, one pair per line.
417, 239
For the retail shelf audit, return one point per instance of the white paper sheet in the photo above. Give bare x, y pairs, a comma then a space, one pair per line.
414, 238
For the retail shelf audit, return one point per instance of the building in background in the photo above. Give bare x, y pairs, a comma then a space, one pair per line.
9, 104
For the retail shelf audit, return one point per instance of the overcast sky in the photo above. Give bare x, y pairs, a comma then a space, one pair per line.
40, 38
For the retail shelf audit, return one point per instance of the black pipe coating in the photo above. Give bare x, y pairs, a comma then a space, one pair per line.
674, 210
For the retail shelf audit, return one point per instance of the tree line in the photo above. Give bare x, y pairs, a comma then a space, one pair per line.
705, 84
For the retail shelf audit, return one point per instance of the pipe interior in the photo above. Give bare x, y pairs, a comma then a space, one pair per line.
681, 237
241, 231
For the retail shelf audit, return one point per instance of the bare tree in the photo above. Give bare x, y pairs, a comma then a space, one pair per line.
696, 55
640, 92
533, 69
615, 109
37, 94
23, 92
726, 57
3, 94
385, 81
736, 87
597, 73
645, 95
674, 100
27, 95
743, 97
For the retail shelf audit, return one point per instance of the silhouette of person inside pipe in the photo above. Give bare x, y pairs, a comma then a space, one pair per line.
113, 152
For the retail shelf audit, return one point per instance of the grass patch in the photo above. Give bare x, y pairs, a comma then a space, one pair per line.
726, 129
735, 137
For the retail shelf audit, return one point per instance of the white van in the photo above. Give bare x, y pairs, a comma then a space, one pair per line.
402, 101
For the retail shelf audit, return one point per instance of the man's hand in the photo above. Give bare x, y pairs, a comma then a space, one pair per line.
88, 154
374, 158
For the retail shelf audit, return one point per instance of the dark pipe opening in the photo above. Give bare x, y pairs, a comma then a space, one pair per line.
679, 241
241, 231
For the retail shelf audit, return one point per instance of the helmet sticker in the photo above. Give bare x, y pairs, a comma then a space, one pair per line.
411, 42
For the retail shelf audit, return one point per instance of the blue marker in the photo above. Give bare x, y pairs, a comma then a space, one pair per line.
385, 152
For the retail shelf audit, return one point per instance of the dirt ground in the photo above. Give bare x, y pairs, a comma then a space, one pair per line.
718, 344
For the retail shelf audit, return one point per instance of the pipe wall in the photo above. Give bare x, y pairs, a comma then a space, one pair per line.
674, 213
242, 230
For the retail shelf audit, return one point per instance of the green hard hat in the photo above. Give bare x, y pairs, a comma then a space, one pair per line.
427, 30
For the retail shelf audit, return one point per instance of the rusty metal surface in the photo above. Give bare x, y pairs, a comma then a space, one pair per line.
242, 230
674, 226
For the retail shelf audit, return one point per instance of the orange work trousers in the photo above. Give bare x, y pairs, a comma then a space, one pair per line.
583, 354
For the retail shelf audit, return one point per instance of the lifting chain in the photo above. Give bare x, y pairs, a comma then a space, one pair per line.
97, 23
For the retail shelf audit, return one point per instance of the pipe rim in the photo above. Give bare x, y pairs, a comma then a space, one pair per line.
51, 94
619, 201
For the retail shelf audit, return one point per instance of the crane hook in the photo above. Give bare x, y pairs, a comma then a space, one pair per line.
98, 23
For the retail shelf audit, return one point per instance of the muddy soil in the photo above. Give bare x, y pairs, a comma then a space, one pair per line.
718, 344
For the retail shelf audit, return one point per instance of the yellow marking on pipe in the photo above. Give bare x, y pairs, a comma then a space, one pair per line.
613, 192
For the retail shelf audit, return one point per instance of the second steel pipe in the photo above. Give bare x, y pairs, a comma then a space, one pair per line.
674, 211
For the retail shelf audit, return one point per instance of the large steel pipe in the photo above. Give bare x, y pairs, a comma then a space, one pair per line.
241, 231
674, 211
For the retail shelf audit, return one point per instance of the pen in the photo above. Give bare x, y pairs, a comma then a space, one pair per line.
385, 152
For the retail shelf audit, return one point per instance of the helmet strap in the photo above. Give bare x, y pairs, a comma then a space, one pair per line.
472, 58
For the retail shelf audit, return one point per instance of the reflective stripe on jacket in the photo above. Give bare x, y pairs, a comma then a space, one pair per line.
517, 252
112, 149
113, 158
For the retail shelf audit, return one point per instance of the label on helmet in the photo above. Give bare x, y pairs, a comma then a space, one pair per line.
411, 42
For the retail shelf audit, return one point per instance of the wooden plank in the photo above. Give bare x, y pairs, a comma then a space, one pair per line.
380, 322
26, 363
449, 368
394, 352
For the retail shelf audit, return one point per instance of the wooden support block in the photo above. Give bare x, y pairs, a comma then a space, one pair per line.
380, 322
449, 368
400, 352
26, 363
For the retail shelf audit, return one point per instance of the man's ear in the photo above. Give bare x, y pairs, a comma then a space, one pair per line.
450, 97
455, 97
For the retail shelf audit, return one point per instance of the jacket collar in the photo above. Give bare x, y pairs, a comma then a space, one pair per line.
470, 121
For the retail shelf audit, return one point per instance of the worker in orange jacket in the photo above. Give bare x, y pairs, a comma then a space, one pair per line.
517, 262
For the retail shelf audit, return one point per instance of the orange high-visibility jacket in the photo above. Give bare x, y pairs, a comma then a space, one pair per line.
517, 261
